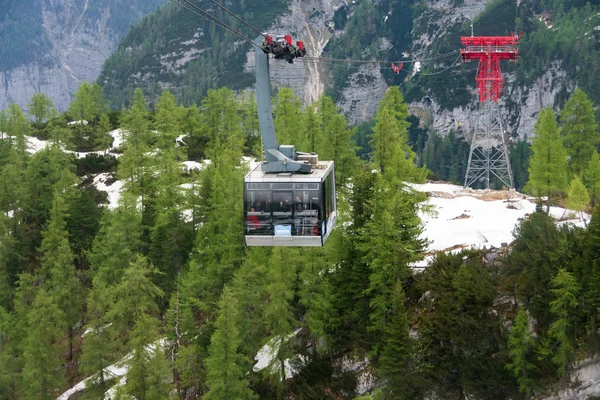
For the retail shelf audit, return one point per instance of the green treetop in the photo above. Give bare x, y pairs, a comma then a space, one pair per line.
41, 108
226, 367
548, 164
391, 152
578, 197
521, 350
563, 306
579, 130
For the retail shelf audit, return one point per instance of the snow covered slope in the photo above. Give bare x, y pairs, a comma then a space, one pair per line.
466, 218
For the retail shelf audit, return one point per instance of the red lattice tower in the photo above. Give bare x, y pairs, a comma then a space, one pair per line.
489, 50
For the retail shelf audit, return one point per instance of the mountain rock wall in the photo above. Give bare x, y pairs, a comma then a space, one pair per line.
82, 34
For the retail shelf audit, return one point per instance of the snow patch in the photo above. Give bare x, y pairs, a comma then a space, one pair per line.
267, 354
117, 136
113, 189
468, 218
416, 68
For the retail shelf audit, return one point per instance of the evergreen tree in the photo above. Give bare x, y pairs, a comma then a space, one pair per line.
58, 270
334, 142
168, 155
41, 108
148, 374
287, 111
99, 350
226, 377
103, 140
565, 291
43, 374
135, 296
547, 166
7, 241
532, 263
521, 349
134, 162
578, 197
249, 111
60, 132
393, 363
591, 178
118, 241
279, 312
579, 131
391, 152
390, 242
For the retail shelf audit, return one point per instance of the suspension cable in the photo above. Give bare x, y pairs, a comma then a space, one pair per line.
211, 18
238, 18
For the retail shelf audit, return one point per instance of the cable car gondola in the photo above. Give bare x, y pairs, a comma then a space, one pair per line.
289, 198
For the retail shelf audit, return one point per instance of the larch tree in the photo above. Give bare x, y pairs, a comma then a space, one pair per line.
43, 372
391, 152
58, 264
226, 366
577, 196
118, 241
134, 163
288, 111
548, 163
565, 292
41, 108
579, 131
279, 312
390, 242
394, 361
102, 140
521, 350
591, 178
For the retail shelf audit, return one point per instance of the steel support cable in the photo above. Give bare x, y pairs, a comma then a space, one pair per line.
339, 64
238, 18
408, 61
211, 18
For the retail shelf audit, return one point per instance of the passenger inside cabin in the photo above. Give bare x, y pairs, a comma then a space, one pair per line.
299, 204
257, 207
285, 205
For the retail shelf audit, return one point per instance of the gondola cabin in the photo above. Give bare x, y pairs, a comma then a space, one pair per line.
288, 209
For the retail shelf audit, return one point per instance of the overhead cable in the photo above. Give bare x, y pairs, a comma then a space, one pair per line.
201, 13
238, 18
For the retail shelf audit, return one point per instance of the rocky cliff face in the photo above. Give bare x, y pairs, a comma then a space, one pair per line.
81, 34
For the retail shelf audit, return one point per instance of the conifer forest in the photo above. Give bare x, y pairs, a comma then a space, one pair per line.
161, 284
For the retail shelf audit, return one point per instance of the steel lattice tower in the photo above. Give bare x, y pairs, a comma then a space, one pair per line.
489, 154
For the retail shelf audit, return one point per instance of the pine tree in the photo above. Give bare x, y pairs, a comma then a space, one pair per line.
591, 178
148, 374
226, 372
548, 164
168, 155
279, 313
579, 131
287, 111
390, 242
117, 243
391, 152
134, 162
135, 296
43, 374
7, 241
59, 268
565, 302
393, 363
103, 140
334, 141
99, 350
41, 108
578, 197
521, 347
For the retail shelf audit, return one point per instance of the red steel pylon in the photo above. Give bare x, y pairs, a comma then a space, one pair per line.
489, 50
489, 155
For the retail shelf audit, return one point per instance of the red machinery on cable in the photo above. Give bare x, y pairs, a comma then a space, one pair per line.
489, 50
